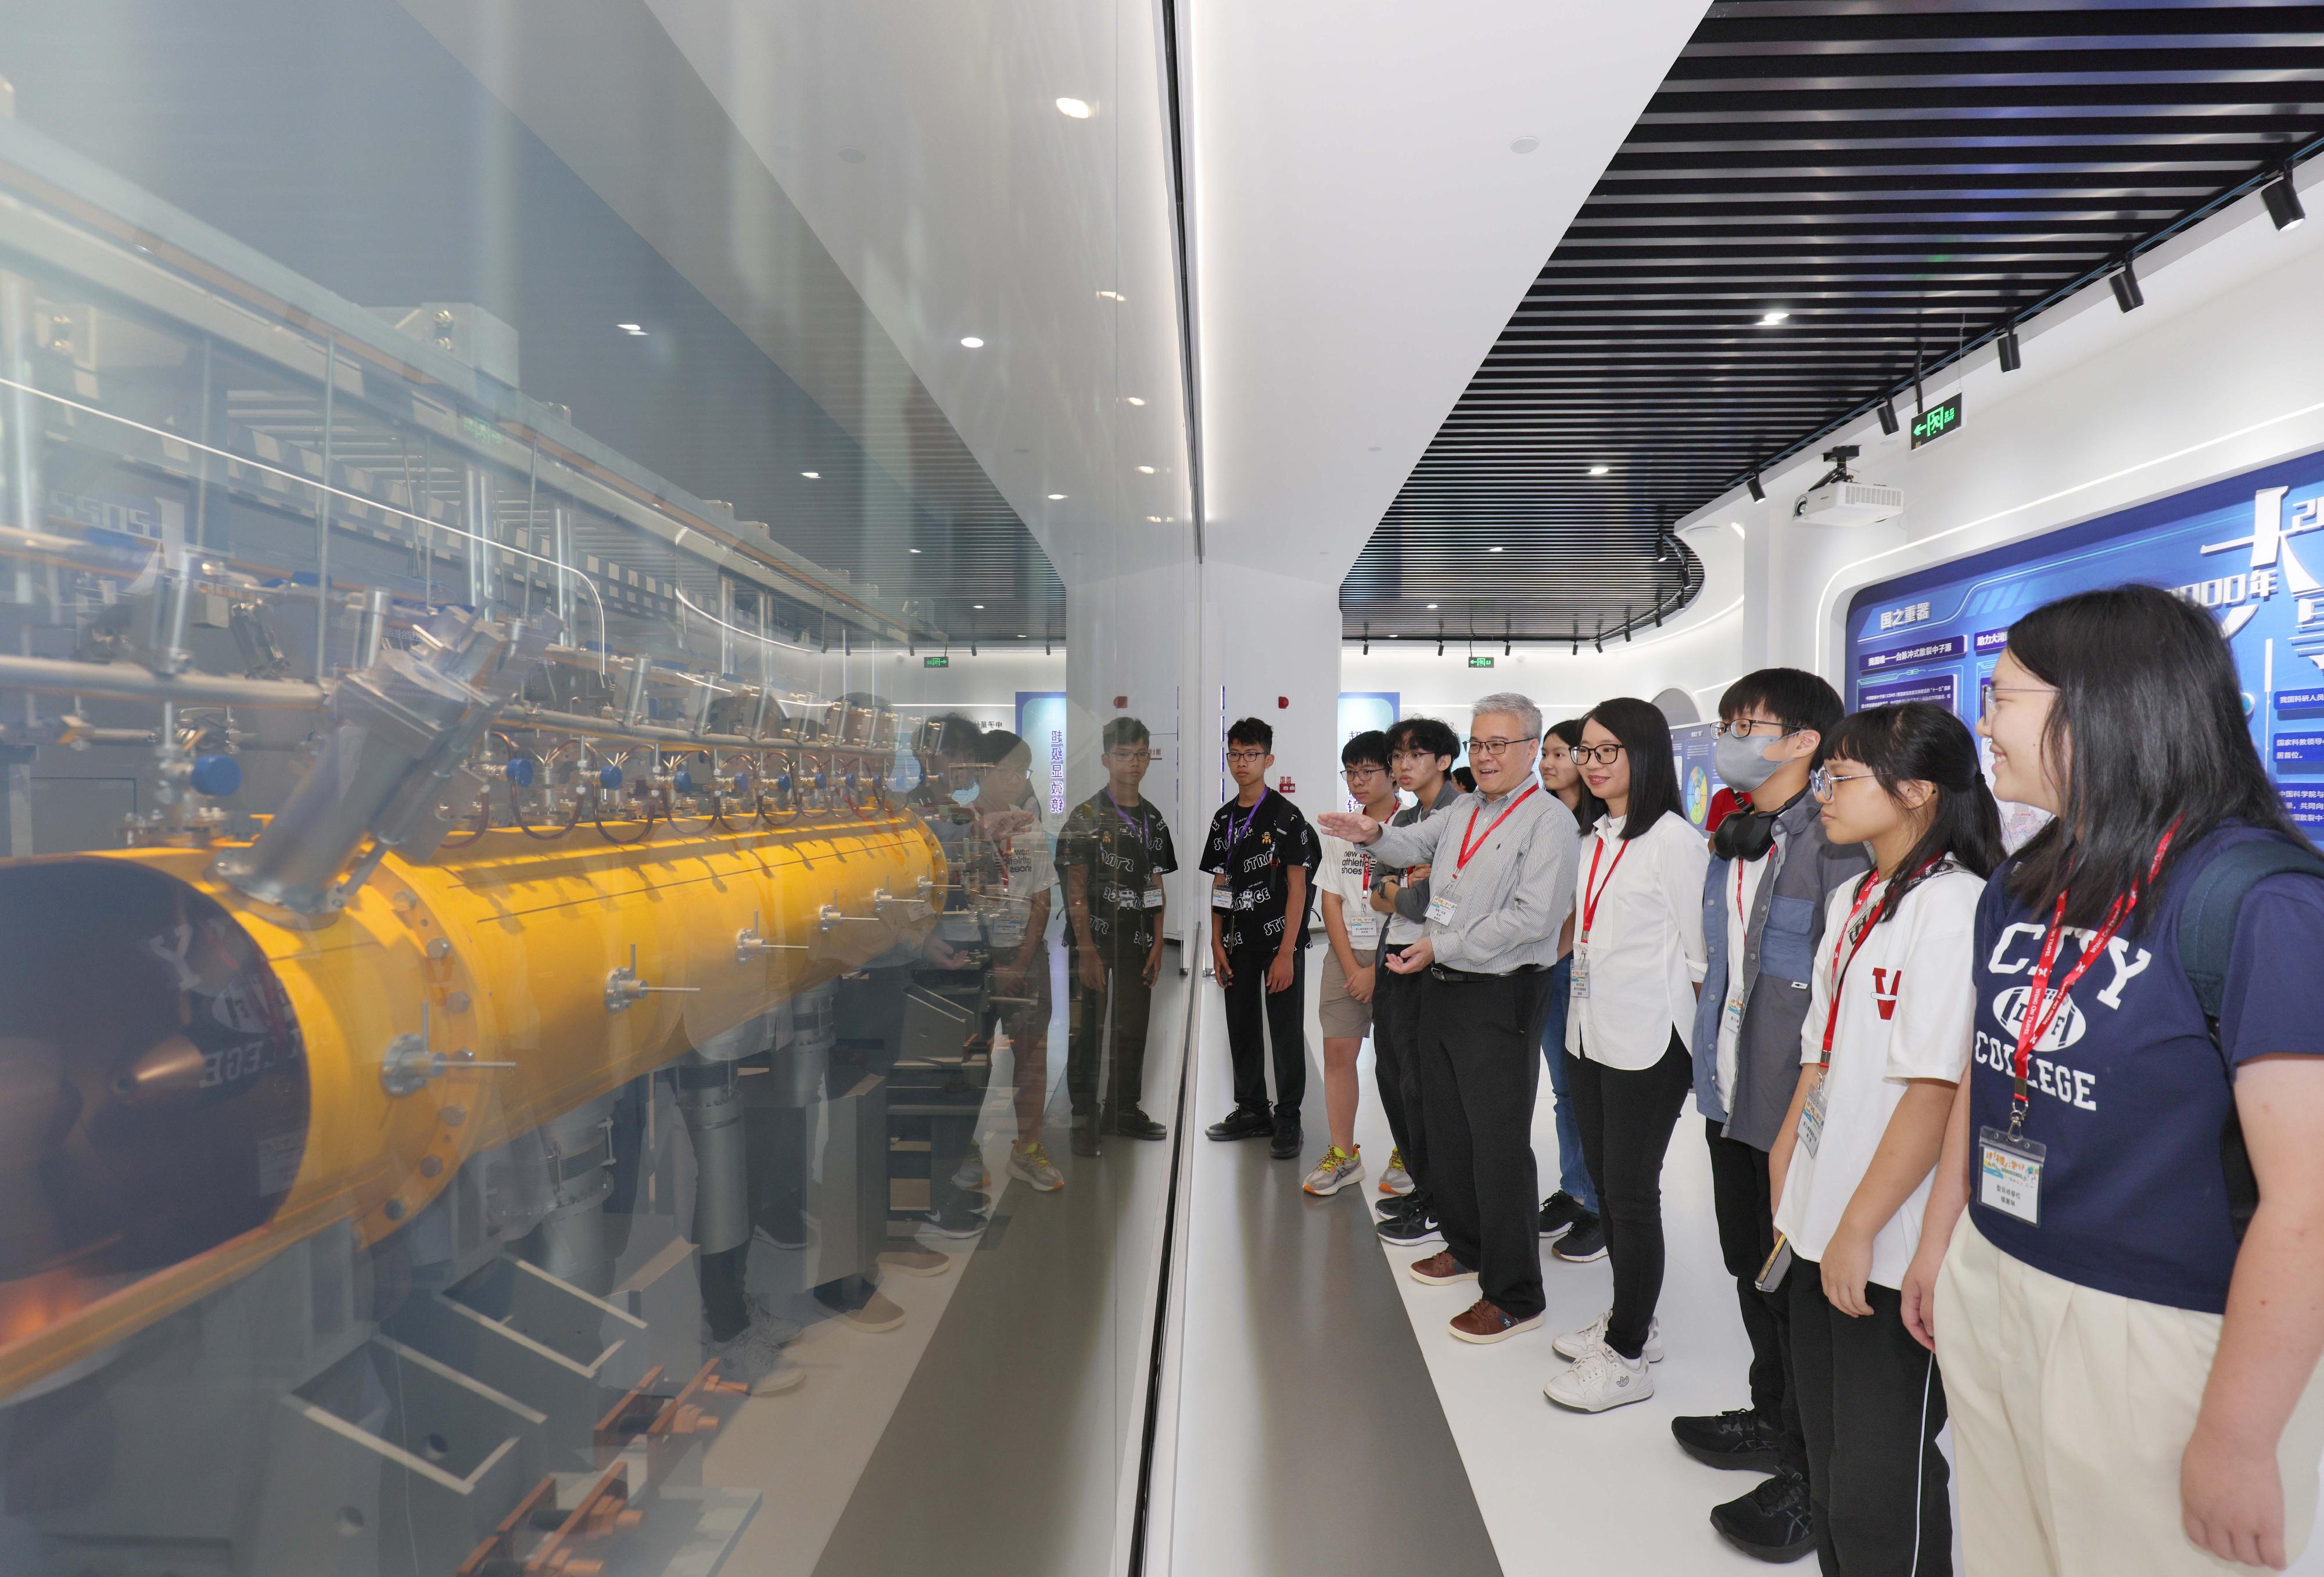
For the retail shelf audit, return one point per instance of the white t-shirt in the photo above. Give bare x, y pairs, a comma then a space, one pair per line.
1742, 892
1347, 870
1907, 1010
1635, 968
1027, 869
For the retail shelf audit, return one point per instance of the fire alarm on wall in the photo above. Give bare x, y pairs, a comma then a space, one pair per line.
1122, 703
1286, 786
1283, 702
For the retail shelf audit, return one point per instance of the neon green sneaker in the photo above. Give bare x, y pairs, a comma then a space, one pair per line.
1335, 1171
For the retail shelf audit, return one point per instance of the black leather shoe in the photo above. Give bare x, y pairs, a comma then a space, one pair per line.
1774, 1521
1739, 1438
1286, 1147
1132, 1124
1242, 1122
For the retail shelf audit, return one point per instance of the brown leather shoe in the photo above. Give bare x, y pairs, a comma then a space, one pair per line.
1483, 1321
1441, 1270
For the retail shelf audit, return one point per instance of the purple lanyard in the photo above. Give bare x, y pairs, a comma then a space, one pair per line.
1235, 835
1137, 827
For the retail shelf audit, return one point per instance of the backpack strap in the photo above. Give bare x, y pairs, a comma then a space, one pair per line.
2207, 935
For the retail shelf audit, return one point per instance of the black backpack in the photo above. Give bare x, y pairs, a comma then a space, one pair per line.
2207, 933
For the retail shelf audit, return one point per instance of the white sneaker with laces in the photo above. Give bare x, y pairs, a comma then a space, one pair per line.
1601, 1379
1335, 1171
1396, 1179
1580, 1344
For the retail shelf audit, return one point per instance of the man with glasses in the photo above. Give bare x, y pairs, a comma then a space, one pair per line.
1351, 931
1261, 855
1500, 883
1114, 851
1762, 910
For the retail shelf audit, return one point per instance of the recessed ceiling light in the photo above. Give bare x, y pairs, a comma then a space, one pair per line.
912, 549
1020, 636
1154, 520
1112, 296
1146, 470
1778, 314
1525, 145
1492, 550
1601, 470
1056, 497
1431, 606
812, 475
851, 155
978, 606
970, 341
1134, 399
1077, 108
636, 329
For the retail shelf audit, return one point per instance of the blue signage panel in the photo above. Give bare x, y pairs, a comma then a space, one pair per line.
1692, 746
2251, 550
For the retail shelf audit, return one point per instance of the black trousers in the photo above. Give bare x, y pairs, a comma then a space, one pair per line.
1871, 1403
1480, 1067
1396, 1025
1747, 1236
1256, 1017
1105, 1046
1627, 1117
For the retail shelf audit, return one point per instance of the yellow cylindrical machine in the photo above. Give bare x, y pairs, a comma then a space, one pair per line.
190, 1081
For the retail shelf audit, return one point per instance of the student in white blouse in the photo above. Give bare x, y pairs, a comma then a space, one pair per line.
1637, 963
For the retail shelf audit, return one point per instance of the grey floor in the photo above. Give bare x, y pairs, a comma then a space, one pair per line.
1309, 1434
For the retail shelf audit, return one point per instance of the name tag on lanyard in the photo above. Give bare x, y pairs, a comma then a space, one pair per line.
1811, 1115
2009, 1174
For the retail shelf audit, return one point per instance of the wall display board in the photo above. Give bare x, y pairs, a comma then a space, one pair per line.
1691, 746
1041, 725
1361, 712
2245, 548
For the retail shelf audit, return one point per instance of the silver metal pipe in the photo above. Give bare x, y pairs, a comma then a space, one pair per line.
712, 1107
323, 515
125, 681
371, 629
478, 512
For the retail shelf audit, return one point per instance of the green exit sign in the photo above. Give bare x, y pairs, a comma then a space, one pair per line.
1480, 662
935, 662
1936, 421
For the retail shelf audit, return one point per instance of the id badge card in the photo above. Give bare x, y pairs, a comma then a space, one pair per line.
1221, 897
1733, 1018
2009, 1175
1811, 1115
1442, 909
1153, 898
1363, 931
1578, 990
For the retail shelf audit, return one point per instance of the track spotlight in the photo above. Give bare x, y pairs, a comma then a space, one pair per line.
1886, 411
1758, 493
2010, 358
2283, 201
2126, 293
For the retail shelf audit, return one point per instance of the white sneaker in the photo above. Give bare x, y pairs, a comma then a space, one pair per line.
972, 1177
1335, 1171
1601, 1379
1396, 1179
1030, 1163
1580, 1344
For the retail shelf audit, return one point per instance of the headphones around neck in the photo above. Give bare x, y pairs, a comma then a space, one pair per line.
1748, 834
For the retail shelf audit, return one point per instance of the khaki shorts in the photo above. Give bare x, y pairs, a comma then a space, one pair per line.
1343, 1017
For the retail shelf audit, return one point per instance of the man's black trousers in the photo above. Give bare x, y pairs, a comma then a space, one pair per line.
1257, 1018
1747, 1235
1479, 1064
1105, 1049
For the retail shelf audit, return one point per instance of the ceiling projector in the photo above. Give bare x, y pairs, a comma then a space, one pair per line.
1839, 500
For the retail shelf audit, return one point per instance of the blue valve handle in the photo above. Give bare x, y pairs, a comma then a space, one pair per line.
216, 776
519, 771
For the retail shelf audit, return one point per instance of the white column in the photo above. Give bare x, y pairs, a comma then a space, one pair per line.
1271, 651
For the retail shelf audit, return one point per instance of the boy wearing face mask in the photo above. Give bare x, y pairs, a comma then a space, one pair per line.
1762, 910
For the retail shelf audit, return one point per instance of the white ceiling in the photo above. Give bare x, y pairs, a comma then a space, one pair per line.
1363, 230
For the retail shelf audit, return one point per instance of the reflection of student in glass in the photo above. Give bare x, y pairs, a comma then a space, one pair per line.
1114, 851
1014, 904
2132, 1381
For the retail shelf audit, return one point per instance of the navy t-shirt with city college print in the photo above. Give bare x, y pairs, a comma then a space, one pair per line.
2127, 1091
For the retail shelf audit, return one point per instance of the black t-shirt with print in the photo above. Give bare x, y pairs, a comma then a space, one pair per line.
1125, 852
1257, 848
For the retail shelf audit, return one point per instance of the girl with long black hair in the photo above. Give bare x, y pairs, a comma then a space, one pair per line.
1884, 1046
2132, 1382
1638, 963
1569, 1216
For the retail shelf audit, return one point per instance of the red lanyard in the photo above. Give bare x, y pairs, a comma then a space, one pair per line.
1468, 848
1590, 894
1849, 933
2043, 1005
1739, 866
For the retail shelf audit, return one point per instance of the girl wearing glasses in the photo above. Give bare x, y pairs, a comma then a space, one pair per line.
1885, 1042
2131, 1300
1637, 963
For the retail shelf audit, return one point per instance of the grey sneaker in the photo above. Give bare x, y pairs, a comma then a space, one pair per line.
755, 1358
1335, 1171
1030, 1163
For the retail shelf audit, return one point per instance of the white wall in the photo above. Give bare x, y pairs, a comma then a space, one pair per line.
2215, 375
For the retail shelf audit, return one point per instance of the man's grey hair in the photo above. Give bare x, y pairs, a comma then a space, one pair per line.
1510, 703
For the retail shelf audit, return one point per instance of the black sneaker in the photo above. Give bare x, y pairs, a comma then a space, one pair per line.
1560, 1213
1132, 1124
1774, 1521
1244, 1123
1286, 1147
1396, 1205
1739, 1438
1412, 1228
1583, 1241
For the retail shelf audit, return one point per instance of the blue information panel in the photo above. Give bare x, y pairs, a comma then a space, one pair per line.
2247, 549
1692, 747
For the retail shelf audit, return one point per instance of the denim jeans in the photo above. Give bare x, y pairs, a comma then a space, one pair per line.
1573, 1176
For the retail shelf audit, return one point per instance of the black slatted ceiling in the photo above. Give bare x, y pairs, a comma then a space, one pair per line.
1904, 178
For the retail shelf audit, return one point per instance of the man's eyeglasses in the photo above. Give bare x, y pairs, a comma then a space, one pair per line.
1246, 757
1608, 753
1823, 782
1353, 774
1494, 749
1128, 756
1745, 728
